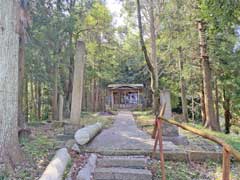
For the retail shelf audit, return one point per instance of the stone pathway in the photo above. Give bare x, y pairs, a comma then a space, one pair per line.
122, 168
125, 135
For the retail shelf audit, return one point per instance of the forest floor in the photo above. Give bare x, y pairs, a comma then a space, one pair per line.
40, 147
42, 144
207, 170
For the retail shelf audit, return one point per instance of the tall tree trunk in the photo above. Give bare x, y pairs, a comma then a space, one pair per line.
21, 118
26, 109
202, 102
227, 112
182, 86
10, 153
211, 121
55, 94
33, 108
39, 101
97, 96
152, 64
193, 108
70, 76
155, 83
216, 100
94, 95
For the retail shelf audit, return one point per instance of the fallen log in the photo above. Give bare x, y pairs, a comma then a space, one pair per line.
56, 167
84, 135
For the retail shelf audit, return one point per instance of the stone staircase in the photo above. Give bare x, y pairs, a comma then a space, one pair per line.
122, 168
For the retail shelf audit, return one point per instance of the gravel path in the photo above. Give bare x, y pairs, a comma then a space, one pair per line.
125, 135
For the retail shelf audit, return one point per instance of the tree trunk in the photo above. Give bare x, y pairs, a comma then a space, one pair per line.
21, 118
39, 101
70, 77
26, 109
55, 94
227, 112
32, 107
211, 121
193, 108
10, 153
202, 102
94, 95
216, 100
182, 86
155, 83
152, 64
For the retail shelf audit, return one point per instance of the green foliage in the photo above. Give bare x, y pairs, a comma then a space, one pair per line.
232, 139
39, 147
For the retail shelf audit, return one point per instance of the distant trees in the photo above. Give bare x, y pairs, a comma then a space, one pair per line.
49, 56
200, 72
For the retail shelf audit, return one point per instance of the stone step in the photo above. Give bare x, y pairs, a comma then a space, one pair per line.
122, 174
138, 162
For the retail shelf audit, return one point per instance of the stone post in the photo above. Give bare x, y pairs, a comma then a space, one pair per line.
168, 130
79, 62
60, 108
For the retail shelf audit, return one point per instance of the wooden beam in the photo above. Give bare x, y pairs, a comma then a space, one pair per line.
206, 135
226, 165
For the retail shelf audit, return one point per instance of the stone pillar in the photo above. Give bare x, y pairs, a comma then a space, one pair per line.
79, 62
168, 130
60, 108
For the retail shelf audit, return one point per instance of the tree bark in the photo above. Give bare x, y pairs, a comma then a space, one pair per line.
152, 64
202, 102
10, 153
211, 121
155, 84
21, 118
216, 100
39, 101
55, 93
94, 95
182, 86
26, 109
193, 108
227, 112
70, 77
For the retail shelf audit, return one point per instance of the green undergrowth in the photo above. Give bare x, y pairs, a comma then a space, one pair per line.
39, 147
232, 139
145, 120
89, 118
184, 171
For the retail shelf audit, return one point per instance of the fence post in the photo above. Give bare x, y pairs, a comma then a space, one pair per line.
226, 165
161, 149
